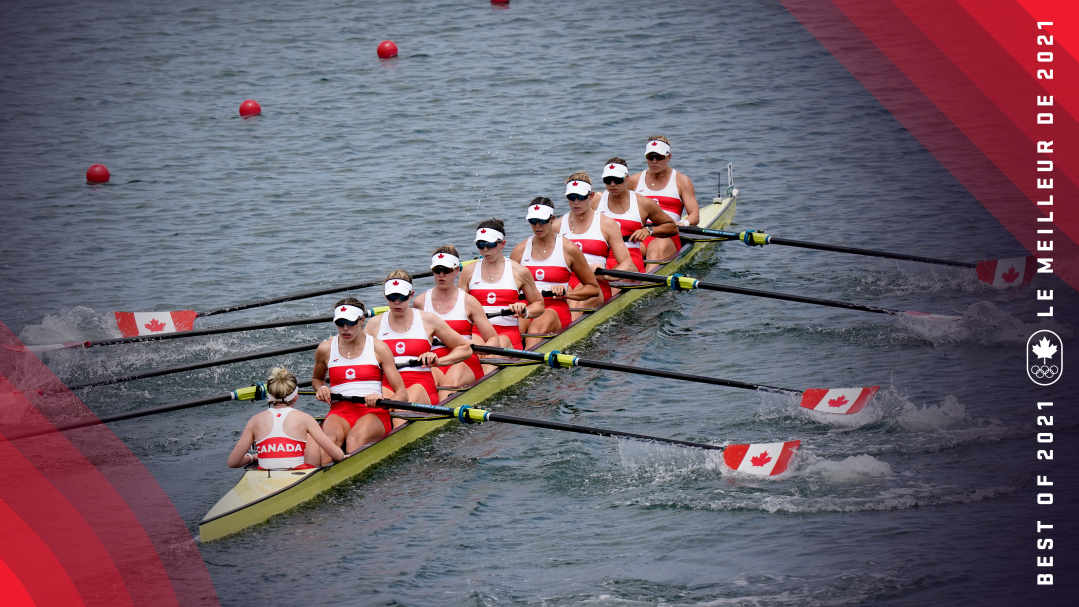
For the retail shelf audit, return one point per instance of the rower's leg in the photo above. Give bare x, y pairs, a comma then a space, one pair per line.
458, 375
337, 429
659, 248
594, 302
546, 323
417, 394
368, 428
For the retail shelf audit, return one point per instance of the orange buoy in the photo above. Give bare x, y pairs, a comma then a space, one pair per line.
250, 108
387, 49
97, 174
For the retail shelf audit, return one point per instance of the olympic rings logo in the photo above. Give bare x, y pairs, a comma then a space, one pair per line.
1044, 371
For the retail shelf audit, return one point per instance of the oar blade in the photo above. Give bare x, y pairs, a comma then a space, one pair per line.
133, 324
1008, 273
841, 401
928, 316
44, 347
763, 459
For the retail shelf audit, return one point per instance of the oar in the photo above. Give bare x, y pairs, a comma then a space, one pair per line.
684, 283
765, 459
997, 272
202, 365
255, 392
215, 331
142, 323
830, 400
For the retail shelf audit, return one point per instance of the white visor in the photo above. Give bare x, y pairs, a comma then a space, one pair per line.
657, 147
273, 399
615, 170
539, 211
398, 285
578, 187
349, 313
444, 260
489, 235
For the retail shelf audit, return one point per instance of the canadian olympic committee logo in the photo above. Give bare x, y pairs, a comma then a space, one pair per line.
1045, 357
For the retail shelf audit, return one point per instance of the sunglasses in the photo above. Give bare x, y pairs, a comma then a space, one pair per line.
536, 221
396, 297
442, 270
483, 245
612, 179
653, 157
341, 322
576, 197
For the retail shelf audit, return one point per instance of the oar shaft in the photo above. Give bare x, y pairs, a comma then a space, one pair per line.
535, 423
304, 295
709, 286
214, 331
854, 251
202, 365
598, 364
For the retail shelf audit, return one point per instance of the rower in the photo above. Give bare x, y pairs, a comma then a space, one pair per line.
408, 332
596, 236
671, 189
552, 260
632, 212
356, 366
275, 431
462, 312
497, 283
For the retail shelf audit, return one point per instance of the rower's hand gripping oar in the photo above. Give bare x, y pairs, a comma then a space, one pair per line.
830, 400
1001, 273
678, 282
766, 459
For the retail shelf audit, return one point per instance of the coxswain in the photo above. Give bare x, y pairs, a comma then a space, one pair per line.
461, 311
355, 365
598, 237
633, 213
552, 261
673, 191
497, 282
408, 332
284, 438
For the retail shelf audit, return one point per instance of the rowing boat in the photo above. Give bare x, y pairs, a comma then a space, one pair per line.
261, 494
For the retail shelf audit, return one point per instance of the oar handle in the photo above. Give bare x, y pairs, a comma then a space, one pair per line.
521, 297
679, 282
707, 232
415, 362
506, 312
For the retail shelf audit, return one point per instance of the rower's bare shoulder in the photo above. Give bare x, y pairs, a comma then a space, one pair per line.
518, 251
634, 180
323, 349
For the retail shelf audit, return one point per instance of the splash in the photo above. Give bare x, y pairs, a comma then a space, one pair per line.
664, 461
948, 414
71, 324
854, 469
982, 322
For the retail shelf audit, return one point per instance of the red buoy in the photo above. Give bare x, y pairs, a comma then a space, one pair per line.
250, 108
387, 49
97, 174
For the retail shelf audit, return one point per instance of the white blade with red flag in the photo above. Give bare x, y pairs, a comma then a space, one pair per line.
765, 459
843, 401
132, 324
1008, 273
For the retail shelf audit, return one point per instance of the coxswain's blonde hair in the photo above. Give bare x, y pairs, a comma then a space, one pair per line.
449, 248
579, 176
281, 383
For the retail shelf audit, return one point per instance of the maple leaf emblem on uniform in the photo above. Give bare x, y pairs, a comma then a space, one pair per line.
612, 166
155, 325
483, 231
395, 283
440, 255
535, 208
761, 459
574, 183
653, 144
1043, 349
838, 402
1010, 276
344, 309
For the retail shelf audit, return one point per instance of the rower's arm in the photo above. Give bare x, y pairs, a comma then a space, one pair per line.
461, 351
318, 375
371, 328
475, 313
689, 199
315, 431
528, 287
417, 301
465, 277
247, 438
612, 233
588, 288
662, 224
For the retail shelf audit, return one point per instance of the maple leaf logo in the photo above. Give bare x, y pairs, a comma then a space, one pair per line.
155, 325
761, 459
653, 144
612, 166
1010, 276
1043, 349
574, 183
535, 208
838, 402
344, 309
395, 283
483, 231
440, 255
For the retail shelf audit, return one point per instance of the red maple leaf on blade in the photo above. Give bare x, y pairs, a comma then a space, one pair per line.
761, 459
155, 325
838, 402
1010, 276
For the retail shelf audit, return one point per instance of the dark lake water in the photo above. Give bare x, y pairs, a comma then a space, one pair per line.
358, 166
